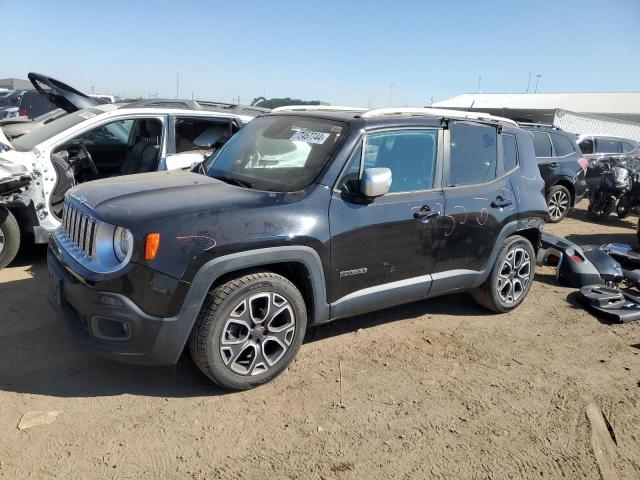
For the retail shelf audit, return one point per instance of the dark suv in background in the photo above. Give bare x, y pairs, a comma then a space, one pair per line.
303, 217
562, 167
599, 147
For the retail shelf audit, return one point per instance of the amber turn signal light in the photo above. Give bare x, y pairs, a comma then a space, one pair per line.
151, 246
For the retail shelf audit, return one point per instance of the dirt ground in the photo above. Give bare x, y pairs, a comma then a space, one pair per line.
437, 389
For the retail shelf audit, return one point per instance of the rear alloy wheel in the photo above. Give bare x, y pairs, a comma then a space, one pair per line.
511, 277
249, 330
9, 237
558, 202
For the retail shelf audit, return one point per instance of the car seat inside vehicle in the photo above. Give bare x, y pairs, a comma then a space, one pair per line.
122, 147
195, 135
143, 156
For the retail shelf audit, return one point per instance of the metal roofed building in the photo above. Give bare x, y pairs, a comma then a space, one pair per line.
615, 113
15, 84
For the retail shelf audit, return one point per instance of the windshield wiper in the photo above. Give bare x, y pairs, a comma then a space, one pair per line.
233, 181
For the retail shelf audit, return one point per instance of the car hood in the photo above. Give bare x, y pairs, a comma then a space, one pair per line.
62, 95
134, 199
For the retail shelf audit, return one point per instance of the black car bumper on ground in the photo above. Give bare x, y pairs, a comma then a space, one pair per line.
110, 324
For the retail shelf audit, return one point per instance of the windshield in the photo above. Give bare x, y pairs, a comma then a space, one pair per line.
278, 153
51, 129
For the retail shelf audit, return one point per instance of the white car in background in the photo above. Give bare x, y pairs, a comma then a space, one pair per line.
38, 168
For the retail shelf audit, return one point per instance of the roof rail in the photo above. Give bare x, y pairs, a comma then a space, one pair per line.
436, 112
541, 125
329, 108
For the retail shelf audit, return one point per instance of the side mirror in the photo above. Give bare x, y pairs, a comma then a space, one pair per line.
183, 160
375, 182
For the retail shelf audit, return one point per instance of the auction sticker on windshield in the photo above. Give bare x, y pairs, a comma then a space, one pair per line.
310, 137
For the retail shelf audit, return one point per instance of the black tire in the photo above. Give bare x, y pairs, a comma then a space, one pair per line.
623, 208
558, 203
488, 294
206, 344
9, 237
596, 214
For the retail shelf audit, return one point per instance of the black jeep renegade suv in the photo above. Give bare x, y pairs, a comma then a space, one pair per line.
301, 218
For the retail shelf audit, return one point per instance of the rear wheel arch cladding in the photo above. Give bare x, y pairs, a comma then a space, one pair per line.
531, 234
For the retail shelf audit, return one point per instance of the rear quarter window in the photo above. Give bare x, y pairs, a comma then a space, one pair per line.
627, 147
510, 152
562, 145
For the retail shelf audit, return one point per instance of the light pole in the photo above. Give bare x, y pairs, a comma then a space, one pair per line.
390, 93
529, 82
537, 80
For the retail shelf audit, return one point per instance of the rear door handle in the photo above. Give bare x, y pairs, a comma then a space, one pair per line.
425, 212
500, 202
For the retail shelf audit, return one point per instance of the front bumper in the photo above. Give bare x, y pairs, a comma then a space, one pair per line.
110, 324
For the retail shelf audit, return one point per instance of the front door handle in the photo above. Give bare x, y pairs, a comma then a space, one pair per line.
554, 164
425, 212
500, 202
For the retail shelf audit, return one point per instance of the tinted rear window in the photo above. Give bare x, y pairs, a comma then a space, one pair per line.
607, 145
473, 154
562, 145
542, 144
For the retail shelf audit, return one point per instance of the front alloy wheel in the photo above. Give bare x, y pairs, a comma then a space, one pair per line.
257, 333
249, 330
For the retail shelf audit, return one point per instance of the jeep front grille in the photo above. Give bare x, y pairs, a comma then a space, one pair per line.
80, 228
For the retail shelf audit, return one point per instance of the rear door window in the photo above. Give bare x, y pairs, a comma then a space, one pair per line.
542, 144
201, 134
473, 154
607, 145
510, 152
562, 145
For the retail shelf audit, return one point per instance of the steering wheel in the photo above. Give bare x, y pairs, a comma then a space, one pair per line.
90, 161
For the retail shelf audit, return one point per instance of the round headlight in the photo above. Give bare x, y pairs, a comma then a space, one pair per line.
122, 243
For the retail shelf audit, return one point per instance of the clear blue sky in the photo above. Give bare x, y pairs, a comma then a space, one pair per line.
344, 52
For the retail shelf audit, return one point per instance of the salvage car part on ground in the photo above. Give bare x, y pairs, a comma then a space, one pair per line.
611, 303
578, 266
305, 216
610, 264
